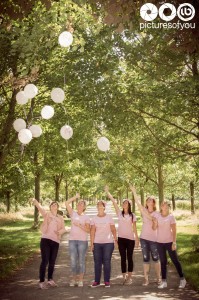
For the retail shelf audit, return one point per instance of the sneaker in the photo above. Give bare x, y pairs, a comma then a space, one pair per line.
72, 283
162, 285
182, 283
107, 284
95, 284
80, 284
43, 286
52, 283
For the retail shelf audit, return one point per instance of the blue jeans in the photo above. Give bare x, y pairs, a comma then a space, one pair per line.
149, 247
49, 250
77, 251
102, 256
162, 249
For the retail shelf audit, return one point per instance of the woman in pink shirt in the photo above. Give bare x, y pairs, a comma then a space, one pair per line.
78, 239
103, 235
165, 224
148, 237
127, 236
52, 228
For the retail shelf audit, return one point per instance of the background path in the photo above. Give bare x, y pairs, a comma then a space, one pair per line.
24, 285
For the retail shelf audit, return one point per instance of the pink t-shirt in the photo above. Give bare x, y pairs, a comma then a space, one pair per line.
103, 232
51, 225
147, 231
125, 226
164, 232
77, 233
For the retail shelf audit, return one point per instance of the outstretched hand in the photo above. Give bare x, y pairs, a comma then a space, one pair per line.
106, 189
77, 196
132, 188
31, 200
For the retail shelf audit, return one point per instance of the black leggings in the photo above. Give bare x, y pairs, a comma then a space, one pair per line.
49, 250
126, 248
162, 250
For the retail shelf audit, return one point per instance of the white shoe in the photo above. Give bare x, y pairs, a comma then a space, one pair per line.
162, 285
182, 283
72, 283
80, 284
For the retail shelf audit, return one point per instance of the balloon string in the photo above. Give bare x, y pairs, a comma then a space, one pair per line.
25, 113
64, 79
108, 156
67, 151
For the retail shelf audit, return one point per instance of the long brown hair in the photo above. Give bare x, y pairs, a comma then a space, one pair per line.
154, 202
129, 209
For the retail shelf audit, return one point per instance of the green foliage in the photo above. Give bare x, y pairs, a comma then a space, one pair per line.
188, 258
195, 242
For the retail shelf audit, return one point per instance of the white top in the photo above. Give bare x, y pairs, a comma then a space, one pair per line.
77, 233
147, 232
164, 232
103, 232
125, 226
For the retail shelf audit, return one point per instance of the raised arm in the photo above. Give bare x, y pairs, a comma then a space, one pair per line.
38, 205
140, 206
68, 203
117, 210
133, 190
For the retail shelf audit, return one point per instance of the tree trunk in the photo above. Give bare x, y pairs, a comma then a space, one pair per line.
133, 203
57, 180
57, 190
37, 190
142, 195
160, 183
120, 198
8, 204
66, 189
6, 141
173, 202
16, 204
192, 197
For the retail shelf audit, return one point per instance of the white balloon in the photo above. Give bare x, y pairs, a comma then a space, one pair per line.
25, 136
21, 98
57, 95
35, 130
30, 91
47, 112
103, 144
66, 132
19, 124
65, 39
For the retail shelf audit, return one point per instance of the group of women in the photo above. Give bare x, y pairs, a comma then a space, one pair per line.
158, 236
